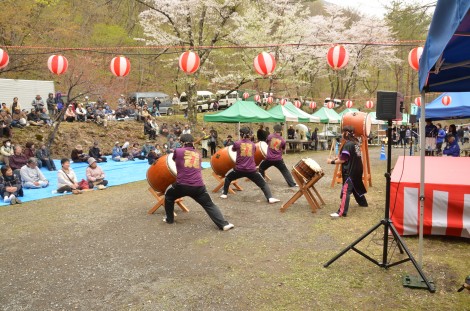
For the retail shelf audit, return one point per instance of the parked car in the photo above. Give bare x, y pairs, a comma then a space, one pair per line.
205, 101
227, 100
166, 106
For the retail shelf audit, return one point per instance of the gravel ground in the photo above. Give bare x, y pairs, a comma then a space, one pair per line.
102, 251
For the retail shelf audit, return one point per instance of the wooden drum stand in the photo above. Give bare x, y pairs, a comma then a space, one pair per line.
306, 176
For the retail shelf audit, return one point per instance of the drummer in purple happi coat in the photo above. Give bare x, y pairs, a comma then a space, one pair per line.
276, 145
245, 166
189, 184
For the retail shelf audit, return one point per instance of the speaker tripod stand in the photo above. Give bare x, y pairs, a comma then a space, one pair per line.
387, 226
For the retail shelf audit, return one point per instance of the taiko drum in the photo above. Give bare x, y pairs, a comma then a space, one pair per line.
361, 122
162, 173
223, 161
261, 152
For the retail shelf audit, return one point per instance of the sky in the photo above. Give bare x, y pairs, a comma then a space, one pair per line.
371, 7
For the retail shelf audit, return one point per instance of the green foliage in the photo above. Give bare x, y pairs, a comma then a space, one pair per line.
110, 35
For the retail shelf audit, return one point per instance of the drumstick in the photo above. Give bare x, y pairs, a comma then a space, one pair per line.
333, 142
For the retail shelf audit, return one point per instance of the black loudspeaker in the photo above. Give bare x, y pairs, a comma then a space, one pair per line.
389, 105
412, 119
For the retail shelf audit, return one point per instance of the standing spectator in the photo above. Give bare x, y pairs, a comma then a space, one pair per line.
69, 115
44, 157
156, 104
80, 113
441, 135
430, 132
51, 105
453, 131
95, 175
31, 175
408, 135
402, 134
261, 133
175, 100
30, 152
95, 153
38, 103
213, 140
291, 135
18, 159
460, 134
78, 155
59, 102
6, 151
204, 142
267, 132
314, 139
11, 186
66, 178
15, 104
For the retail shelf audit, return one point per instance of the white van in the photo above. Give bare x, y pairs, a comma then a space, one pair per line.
205, 101
227, 100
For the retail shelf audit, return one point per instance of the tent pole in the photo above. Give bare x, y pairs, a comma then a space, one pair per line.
239, 137
422, 142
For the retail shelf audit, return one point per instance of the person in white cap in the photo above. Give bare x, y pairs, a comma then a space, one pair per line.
95, 175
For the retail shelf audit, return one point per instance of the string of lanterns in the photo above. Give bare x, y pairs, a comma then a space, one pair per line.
264, 64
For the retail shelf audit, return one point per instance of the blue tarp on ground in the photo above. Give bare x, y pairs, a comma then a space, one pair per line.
443, 66
459, 108
117, 173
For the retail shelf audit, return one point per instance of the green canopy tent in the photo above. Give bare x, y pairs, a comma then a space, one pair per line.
282, 112
303, 116
327, 115
346, 111
243, 112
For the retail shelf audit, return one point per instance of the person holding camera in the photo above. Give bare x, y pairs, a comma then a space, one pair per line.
189, 183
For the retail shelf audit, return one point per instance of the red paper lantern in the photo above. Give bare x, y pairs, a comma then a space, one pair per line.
446, 100
120, 66
337, 57
369, 104
57, 64
349, 104
414, 56
246, 95
189, 62
313, 105
4, 59
257, 98
297, 104
330, 105
264, 64
418, 101
270, 100
283, 102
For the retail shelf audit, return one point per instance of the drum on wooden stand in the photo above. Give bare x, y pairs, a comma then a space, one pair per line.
361, 122
308, 168
162, 173
223, 161
261, 152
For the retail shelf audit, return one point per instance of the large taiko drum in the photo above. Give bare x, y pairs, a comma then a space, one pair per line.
308, 168
162, 173
223, 161
261, 152
361, 122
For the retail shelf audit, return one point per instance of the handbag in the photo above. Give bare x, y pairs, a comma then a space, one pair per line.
83, 185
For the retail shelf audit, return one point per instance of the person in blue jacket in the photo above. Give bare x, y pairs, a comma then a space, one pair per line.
441, 136
452, 149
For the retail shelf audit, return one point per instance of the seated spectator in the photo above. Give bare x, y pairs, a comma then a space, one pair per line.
452, 148
152, 156
101, 117
95, 175
120, 114
149, 129
44, 157
34, 119
10, 186
228, 141
70, 114
146, 148
6, 151
78, 155
30, 152
118, 153
66, 178
186, 129
31, 175
44, 117
90, 114
164, 129
18, 118
18, 159
159, 150
171, 134
136, 152
5, 124
15, 105
80, 113
95, 153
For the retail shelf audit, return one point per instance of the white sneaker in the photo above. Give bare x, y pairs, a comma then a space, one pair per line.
228, 227
273, 200
223, 196
334, 215
6, 199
